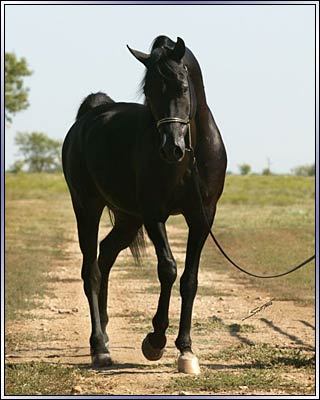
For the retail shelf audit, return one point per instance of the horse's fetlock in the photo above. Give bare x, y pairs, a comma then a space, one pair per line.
97, 343
157, 340
183, 344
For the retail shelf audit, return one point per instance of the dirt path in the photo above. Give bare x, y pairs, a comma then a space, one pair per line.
59, 328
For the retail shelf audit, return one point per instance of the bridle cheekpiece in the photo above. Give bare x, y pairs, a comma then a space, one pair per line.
185, 121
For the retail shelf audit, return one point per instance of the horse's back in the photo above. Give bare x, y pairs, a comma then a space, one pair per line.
99, 153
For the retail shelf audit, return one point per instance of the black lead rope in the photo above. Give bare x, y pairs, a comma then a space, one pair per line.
250, 273
195, 174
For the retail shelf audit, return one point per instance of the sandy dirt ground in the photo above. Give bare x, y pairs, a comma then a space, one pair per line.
60, 327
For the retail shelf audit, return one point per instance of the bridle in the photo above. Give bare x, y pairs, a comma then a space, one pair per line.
184, 121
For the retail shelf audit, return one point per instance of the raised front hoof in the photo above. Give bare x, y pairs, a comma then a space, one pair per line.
101, 360
151, 353
188, 364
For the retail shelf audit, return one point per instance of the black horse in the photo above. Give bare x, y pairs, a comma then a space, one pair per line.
138, 160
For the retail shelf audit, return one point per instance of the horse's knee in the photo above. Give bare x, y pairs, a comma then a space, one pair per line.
167, 271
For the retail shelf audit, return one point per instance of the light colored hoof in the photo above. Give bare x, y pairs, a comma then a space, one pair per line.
188, 364
150, 352
101, 360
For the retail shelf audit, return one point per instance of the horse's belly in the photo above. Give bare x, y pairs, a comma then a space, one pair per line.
118, 191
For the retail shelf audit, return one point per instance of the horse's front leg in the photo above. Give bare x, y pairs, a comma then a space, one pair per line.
154, 343
198, 232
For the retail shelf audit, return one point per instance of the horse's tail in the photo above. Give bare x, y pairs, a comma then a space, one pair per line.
138, 245
91, 101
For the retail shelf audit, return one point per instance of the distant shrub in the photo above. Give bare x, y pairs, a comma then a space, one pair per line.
245, 169
266, 171
304, 170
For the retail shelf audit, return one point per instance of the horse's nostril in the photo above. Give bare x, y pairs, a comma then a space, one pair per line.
178, 153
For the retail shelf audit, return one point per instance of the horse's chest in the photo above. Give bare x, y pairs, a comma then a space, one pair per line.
163, 193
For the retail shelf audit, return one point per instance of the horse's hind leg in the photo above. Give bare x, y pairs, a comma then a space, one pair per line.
88, 216
119, 238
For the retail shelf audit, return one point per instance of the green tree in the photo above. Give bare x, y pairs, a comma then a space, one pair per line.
245, 169
39, 152
16, 95
17, 167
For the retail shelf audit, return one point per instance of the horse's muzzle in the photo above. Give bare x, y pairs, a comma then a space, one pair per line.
172, 147
172, 154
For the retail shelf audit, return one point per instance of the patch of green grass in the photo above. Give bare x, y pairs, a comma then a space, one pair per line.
17, 341
241, 328
153, 289
266, 356
236, 382
266, 225
279, 190
134, 315
202, 290
267, 252
34, 185
36, 224
266, 237
211, 291
36, 378
146, 271
14, 341
140, 322
216, 324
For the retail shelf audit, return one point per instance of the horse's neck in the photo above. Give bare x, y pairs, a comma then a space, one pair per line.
199, 92
204, 123
197, 82
201, 106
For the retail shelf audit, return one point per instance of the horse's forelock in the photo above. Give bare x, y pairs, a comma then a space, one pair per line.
162, 42
161, 63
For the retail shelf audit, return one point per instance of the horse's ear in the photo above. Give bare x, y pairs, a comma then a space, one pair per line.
140, 56
179, 50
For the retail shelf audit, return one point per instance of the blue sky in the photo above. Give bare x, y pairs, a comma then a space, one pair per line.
257, 62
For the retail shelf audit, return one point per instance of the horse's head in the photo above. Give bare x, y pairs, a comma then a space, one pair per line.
168, 94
